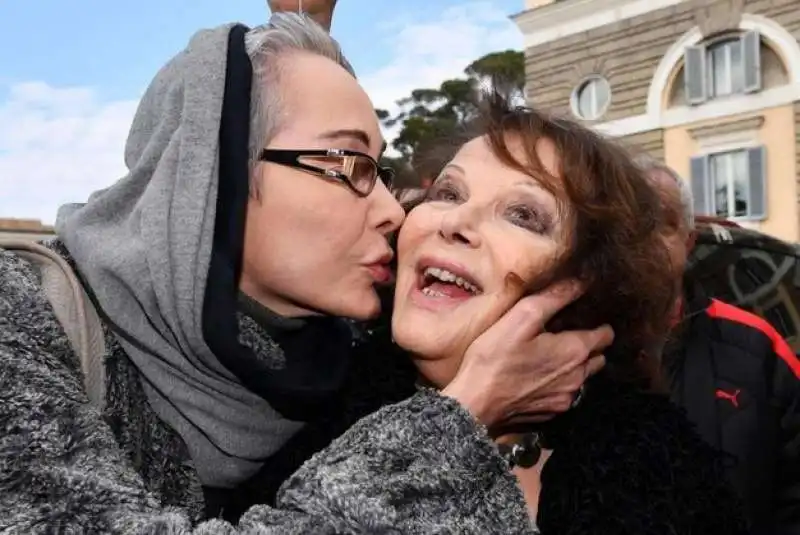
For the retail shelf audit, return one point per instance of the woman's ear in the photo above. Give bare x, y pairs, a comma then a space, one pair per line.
691, 240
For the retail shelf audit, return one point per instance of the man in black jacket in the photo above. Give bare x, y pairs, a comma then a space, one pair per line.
736, 376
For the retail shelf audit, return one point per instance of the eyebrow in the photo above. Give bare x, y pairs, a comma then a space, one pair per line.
352, 133
528, 182
454, 166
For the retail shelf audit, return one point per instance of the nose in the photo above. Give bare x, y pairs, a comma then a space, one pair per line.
386, 210
459, 226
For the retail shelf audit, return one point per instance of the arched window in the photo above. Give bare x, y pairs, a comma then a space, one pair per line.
723, 67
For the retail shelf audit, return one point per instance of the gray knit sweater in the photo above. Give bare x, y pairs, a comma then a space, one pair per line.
420, 466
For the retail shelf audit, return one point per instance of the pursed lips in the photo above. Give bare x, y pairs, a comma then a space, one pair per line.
380, 269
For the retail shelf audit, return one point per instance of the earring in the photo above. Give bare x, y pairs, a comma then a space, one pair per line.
578, 397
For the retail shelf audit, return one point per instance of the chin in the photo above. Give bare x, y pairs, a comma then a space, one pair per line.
428, 338
433, 350
362, 306
438, 332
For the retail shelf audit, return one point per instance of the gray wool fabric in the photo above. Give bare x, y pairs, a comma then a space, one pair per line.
144, 245
421, 466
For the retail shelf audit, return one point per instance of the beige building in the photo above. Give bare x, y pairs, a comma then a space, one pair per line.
710, 86
26, 229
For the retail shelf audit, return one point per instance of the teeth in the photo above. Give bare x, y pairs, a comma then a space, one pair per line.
446, 276
432, 293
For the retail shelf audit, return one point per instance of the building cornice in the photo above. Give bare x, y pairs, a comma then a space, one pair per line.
657, 117
558, 20
717, 110
727, 126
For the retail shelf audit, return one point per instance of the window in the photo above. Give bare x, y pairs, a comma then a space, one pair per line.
591, 98
723, 68
730, 184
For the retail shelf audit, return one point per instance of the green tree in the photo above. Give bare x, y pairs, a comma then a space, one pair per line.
430, 114
505, 71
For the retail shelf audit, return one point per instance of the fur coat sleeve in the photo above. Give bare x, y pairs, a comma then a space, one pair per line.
421, 466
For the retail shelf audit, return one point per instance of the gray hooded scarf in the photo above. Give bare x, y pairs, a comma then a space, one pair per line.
146, 245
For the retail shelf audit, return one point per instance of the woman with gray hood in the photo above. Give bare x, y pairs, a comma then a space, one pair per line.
176, 353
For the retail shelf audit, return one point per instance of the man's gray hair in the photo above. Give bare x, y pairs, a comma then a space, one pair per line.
285, 32
650, 166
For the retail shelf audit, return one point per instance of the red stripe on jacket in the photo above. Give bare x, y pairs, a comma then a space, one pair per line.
718, 309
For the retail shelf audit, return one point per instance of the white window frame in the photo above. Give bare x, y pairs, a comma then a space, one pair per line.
711, 68
590, 83
729, 184
710, 195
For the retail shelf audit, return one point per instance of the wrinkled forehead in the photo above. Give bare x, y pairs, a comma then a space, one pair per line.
317, 95
664, 180
476, 149
511, 165
478, 163
672, 214
479, 150
668, 190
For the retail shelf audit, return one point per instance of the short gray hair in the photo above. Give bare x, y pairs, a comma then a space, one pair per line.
650, 166
285, 32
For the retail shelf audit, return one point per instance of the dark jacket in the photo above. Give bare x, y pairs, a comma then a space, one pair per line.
739, 382
629, 463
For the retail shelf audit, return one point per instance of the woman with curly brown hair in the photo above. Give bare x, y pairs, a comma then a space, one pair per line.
532, 201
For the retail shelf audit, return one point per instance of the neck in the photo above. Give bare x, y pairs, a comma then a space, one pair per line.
267, 317
436, 373
273, 302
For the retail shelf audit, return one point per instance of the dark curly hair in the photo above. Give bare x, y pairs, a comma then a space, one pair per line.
614, 247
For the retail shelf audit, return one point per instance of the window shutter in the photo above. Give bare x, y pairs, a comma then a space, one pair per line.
757, 178
751, 61
694, 74
699, 169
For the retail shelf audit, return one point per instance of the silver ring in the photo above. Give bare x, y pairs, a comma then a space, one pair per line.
578, 397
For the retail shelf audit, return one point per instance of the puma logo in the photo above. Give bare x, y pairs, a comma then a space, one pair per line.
732, 397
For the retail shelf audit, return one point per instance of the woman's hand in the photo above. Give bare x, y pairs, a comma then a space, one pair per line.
516, 372
319, 10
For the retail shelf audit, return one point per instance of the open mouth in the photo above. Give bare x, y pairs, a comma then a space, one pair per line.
445, 283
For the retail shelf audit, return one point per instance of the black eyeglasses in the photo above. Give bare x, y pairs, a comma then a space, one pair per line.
358, 170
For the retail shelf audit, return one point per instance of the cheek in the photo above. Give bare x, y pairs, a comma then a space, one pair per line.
306, 229
311, 209
421, 222
676, 250
420, 225
521, 261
